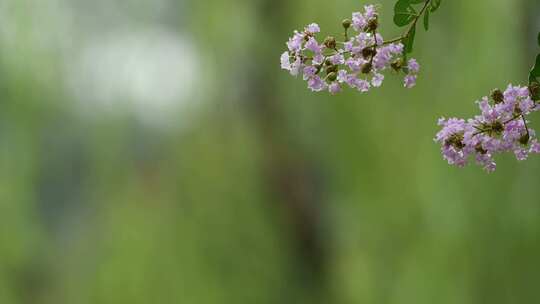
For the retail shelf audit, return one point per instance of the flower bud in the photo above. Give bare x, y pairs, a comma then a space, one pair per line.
480, 149
396, 65
366, 68
346, 23
497, 96
330, 42
332, 68
534, 90
368, 52
332, 76
524, 140
497, 127
517, 110
455, 140
372, 25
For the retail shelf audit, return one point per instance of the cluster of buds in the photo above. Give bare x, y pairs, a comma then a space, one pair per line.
357, 62
501, 127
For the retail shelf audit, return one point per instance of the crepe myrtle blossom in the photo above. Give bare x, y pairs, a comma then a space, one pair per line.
413, 68
502, 126
358, 62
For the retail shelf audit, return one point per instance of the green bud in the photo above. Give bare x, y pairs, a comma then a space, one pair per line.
455, 140
497, 127
332, 68
372, 25
524, 140
534, 90
346, 23
517, 110
396, 65
366, 68
368, 52
480, 149
330, 42
332, 76
497, 96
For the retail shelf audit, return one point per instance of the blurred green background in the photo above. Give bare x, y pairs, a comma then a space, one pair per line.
154, 152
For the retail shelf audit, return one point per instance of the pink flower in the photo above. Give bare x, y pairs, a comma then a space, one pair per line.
410, 81
358, 63
501, 127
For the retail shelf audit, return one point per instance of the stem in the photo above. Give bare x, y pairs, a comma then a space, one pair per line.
513, 118
393, 40
374, 47
411, 27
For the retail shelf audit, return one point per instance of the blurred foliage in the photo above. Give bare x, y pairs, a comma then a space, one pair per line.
255, 190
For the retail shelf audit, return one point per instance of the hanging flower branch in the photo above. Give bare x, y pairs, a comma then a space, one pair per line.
501, 127
361, 58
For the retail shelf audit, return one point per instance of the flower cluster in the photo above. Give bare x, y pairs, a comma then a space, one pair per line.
501, 127
358, 62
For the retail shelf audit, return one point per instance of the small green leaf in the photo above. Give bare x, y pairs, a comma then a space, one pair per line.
426, 20
435, 4
417, 1
408, 42
403, 13
535, 71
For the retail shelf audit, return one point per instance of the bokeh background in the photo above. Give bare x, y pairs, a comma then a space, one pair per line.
154, 152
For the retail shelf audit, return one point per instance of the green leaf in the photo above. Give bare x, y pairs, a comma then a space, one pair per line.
404, 13
435, 4
539, 38
417, 1
535, 71
426, 20
409, 41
